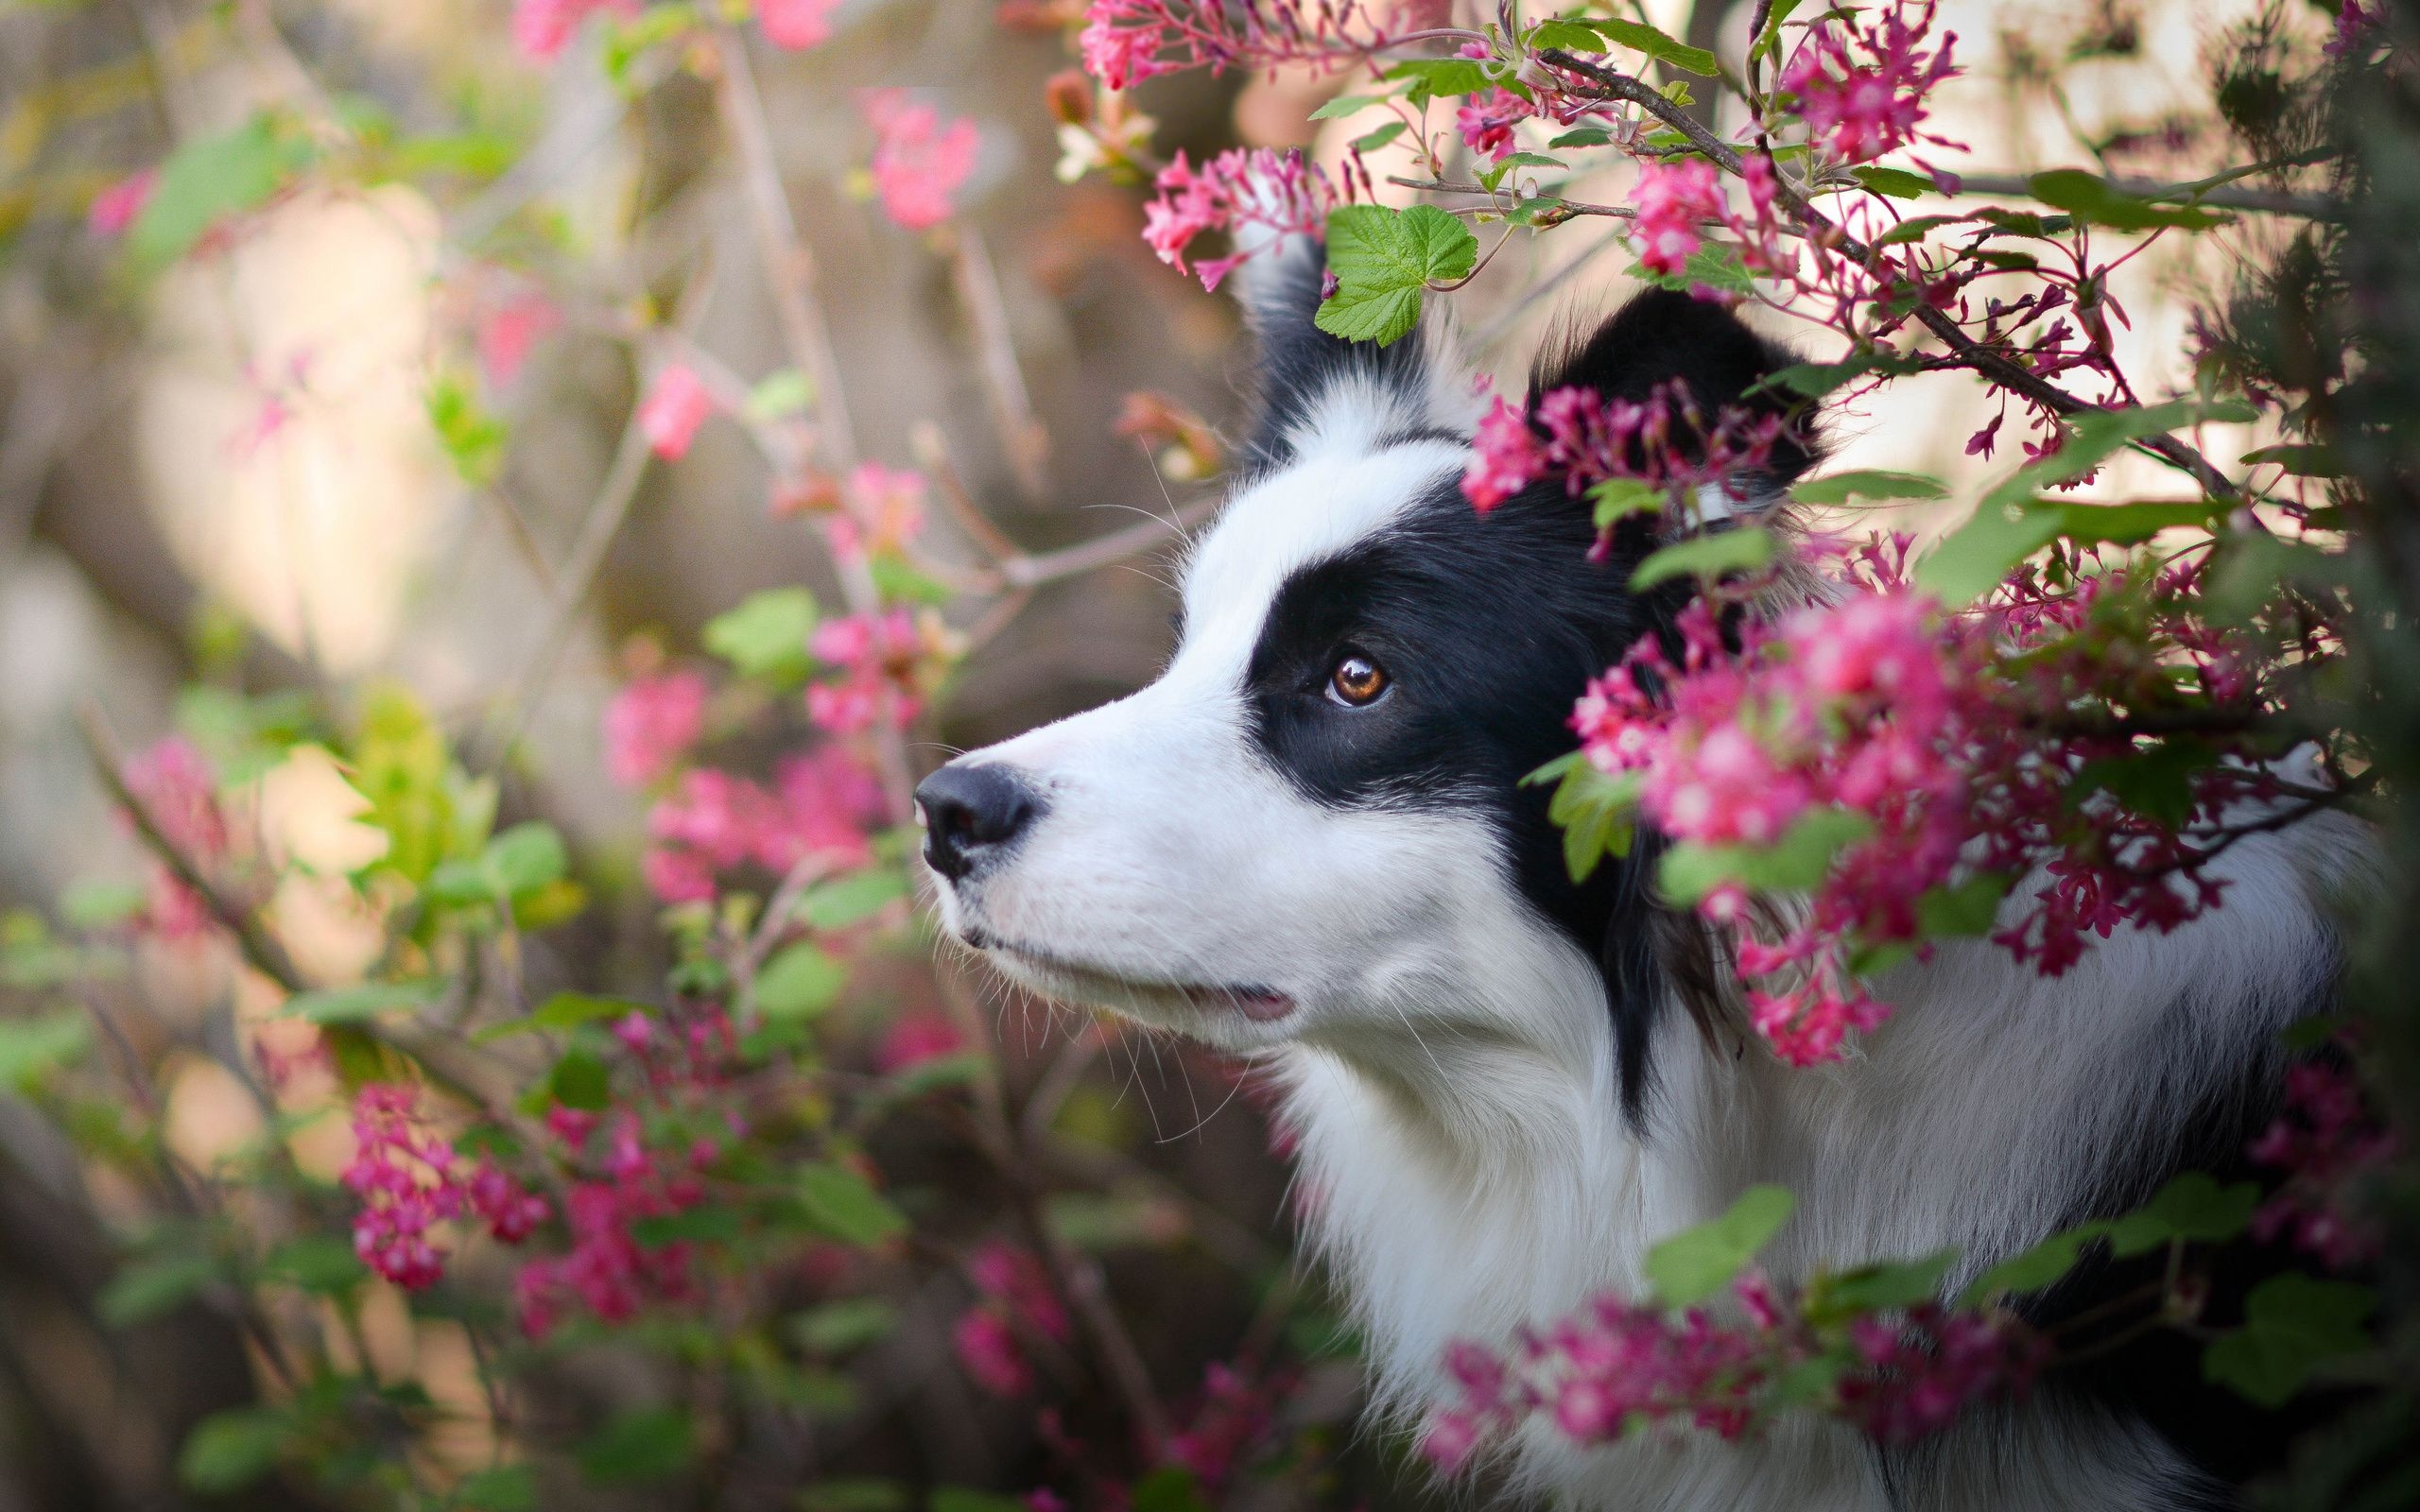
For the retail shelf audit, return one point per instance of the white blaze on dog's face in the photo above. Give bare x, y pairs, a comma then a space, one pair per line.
1312, 826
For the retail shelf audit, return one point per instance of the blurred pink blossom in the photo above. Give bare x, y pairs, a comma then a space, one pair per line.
676, 405
796, 24
919, 162
118, 206
651, 724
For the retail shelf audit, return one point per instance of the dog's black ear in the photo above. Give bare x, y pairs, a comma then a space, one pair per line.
1663, 336
1314, 392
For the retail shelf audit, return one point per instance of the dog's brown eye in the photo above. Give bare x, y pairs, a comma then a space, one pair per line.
1356, 682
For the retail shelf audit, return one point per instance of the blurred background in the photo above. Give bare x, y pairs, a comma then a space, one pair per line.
370, 430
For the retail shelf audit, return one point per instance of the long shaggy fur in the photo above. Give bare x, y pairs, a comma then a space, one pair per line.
1502, 1096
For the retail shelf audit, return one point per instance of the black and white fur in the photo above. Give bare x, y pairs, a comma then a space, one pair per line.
1501, 1097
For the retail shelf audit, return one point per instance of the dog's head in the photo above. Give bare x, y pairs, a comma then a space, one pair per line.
1313, 826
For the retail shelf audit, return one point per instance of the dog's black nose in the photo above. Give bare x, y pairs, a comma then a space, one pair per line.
971, 813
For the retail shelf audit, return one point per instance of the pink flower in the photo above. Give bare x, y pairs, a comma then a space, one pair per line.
988, 1351
917, 163
121, 204
796, 24
914, 1039
1867, 87
541, 28
1256, 198
1506, 456
1672, 199
714, 821
651, 724
1122, 40
676, 405
1487, 119
884, 510
1014, 1279
507, 332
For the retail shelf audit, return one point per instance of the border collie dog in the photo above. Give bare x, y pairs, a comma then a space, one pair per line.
1308, 842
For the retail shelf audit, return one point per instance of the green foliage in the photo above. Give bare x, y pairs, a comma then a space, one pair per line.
472, 439
843, 1326
153, 1288
2191, 1209
32, 1049
2293, 1324
1797, 861
1383, 259
1714, 266
1583, 34
799, 982
1897, 183
362, 1004
229, 1450
2036, 1266
1594, 811
1696, 1262
2090, 197
844, 1204
210, 178
1432, 76
647, 1445
1709, 555
766, 637
1839, 488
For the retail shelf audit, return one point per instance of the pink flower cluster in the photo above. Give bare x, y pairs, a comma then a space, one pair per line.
178, 792
1587, 438
1672, 199
2329, 1142
1015, 1297
881, 661
820, 804
1618, 1365
1920, 731
1255, 199
1125, 40
796, 24
919, 162
882, 510
1864, 81
409, 1181
630, 1168
1232, 1417
651, 724
1487, 119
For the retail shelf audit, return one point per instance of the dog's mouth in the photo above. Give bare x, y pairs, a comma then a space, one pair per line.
1253, 1001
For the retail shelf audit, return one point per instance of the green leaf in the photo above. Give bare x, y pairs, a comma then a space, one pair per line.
1897, 183
229, 1450
1884, 1287
843, 1326
848, 899
1794, 863
800, 983
1714, 265
646, 1445
2192, 1209
154, 1288
564, 1012
102, 904
719, 1226
1382, 259
1585, 136
1839, 488
363, 1004
321, 1263
580, 1080
842, 1204
209, 177
781, 393
505, 1489
1373, 141
1973, 558
2293, 1325
1769, 41
1169, 1488
1344, 105
32, 1049
765, 635
513, 866
2300, 461
472, 439
1616, 499
2155, 781
1577, 36
1915, 228
856, 1494
962, 1499
1640, 36
2088, 196
2035, 1267
1595, 812
1969, 907
1696, 1262
1813, 380
1431, 76
1745, 549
